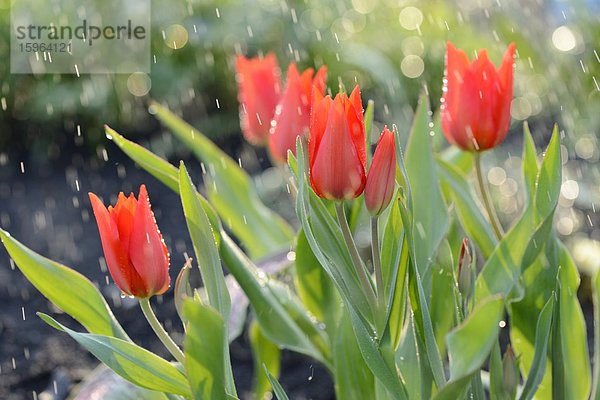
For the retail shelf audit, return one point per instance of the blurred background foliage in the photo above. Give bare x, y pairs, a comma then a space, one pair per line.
392, 48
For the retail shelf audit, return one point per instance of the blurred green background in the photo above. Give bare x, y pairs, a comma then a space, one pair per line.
393, 48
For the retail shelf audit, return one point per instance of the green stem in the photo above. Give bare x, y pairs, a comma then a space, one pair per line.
376, 253
486, 199
160, 331
363, 277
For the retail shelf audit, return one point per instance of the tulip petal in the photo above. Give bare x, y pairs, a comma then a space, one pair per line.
477, 98
320, 79
117, 260
258, 93
380, 184
337, 171
457, 61
292, 115
355, 119
122, 215
320, 112
506, 70
148, 252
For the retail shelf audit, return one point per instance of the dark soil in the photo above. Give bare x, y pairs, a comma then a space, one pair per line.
47, 209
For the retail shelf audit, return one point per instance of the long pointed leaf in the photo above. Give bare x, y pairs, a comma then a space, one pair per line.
205, 351
65, 287
203, 239
137, 365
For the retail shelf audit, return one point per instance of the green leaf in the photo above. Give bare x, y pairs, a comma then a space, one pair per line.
525, 239
497, 391
442, 299
570, 354
137, 365
264, 353
205, 247
384, 371
538, 366
274, 319
205, 351
458, 191
353, 378
530, 166
66, 288
394, 266
469, 345
423, 324
596, 299
277, 388
420, 307
103, 380
314, 287
410, 364
231, 192
160, 169
429, 213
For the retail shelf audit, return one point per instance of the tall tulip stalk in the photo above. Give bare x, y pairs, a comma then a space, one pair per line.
419, 316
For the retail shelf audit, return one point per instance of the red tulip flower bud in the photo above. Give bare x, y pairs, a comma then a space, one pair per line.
136, 255
381, 179
292, 115
476, 100
259, 88
336, 147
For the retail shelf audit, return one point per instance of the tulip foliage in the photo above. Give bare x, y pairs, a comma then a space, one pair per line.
445, 302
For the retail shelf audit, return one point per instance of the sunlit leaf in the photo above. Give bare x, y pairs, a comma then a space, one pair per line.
458, 191
353, 378
274, 320
205, 351
205, 247
429, 213
526, 238
538, 365
314, 286
66, 288
570, 356
264, 353
137, 365
277, 388
470, 344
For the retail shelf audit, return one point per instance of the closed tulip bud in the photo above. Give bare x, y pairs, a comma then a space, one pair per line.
292, 115
381, 179
259, 87
466, 272
476, 100
510, 372
136, 255
336, 147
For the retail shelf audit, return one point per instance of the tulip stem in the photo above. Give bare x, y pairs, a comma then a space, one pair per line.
376, 253
160, 331
493, 217
365, 281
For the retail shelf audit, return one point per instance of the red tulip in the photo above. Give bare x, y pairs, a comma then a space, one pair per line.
292, 115
136, 255
381, 179
336, 147
476, 101
258, 93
